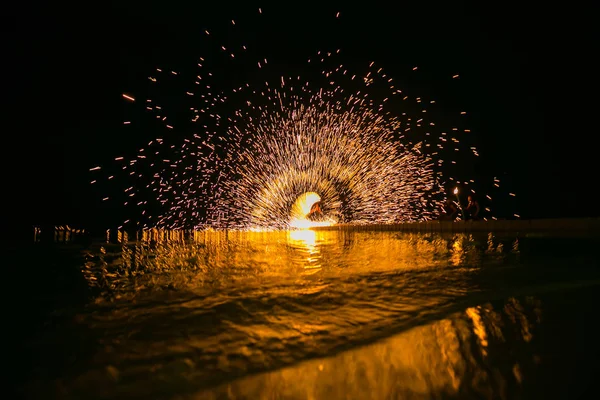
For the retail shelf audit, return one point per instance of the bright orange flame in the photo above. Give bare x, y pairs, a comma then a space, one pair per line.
300, 210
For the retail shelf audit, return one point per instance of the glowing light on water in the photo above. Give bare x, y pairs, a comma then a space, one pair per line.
439, 358
306, 236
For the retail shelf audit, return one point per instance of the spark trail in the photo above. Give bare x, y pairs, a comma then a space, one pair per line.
243, 154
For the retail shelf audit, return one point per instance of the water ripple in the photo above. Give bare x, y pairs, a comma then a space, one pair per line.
189, 315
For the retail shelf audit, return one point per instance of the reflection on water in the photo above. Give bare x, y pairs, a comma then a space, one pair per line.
304, 314
306, 242
226, 257
58, 234
462, 355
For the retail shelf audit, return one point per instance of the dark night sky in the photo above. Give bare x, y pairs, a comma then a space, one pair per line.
524, 71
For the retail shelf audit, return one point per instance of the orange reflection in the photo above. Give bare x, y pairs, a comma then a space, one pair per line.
192, 257
447, 358
306, 241
233, 304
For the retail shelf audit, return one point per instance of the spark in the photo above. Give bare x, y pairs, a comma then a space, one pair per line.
360, 152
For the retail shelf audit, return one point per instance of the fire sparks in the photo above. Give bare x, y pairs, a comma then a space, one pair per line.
366, 155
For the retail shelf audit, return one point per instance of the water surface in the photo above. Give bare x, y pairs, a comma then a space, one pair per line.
317, 314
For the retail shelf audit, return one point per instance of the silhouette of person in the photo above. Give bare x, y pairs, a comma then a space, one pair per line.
472, 209
315, 212
449, 211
